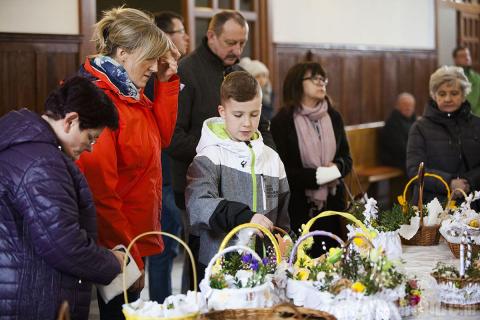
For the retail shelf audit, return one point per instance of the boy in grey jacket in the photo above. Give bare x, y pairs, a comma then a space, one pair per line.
235, 178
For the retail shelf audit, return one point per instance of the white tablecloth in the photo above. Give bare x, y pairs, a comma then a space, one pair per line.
420, 261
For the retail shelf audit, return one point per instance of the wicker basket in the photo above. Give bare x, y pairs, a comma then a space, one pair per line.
190, 316
455, 249
238, 313
279, 312
426, 235
460, 284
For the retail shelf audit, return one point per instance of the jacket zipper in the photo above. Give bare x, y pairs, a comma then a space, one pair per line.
264, 193
254, 179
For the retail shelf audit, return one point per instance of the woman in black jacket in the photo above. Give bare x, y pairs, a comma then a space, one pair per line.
447, 138
312, 143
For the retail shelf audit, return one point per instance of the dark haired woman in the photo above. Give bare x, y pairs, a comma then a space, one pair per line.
48, 250
312, 144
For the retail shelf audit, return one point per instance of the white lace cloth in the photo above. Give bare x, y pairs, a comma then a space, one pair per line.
389, 241
448, 293
347, 304
173, 306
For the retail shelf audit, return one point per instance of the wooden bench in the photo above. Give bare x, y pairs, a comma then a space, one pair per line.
365, 151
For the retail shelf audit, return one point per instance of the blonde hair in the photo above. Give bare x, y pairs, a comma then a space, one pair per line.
130, 29
449, 74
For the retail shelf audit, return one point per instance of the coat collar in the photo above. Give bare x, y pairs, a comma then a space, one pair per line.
103, 81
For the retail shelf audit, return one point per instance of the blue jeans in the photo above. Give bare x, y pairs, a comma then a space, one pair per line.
160, 266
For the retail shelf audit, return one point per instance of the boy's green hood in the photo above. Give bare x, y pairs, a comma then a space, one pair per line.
218, 128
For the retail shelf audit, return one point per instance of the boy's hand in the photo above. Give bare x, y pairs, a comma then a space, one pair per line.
263, 221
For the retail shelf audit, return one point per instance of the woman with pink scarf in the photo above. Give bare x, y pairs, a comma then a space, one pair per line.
312, 143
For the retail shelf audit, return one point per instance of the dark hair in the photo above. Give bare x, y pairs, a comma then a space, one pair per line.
457, 49
164, 20
218, 20
80, 95
293, 83
240, 86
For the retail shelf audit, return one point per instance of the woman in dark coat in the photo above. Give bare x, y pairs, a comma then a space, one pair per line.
48, 250
447, 137
311, 141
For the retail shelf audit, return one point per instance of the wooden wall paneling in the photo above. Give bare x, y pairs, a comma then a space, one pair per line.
390, 83
17, 86
371, 88
421, 78
364, 83
405, 73
33, 65
351, 84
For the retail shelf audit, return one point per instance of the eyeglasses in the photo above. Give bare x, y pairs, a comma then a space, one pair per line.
181, 31
317, 80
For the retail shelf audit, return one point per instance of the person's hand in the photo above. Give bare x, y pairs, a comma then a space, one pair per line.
330, 164
167, 65
138, 285
263, 221
459, 183
120, 256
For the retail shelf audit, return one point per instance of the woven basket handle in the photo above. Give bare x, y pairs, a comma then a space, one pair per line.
346, 215
162, 233
450, 199
265, 231
308, 235
402, 200
220, 253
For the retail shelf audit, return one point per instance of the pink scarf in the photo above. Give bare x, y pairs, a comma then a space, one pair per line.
317, 144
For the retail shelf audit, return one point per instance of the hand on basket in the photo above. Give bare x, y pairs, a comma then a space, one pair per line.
459, 183
138, 285
263, 221
120, 257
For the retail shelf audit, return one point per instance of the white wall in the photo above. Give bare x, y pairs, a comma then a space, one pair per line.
447, 34
372, 23
39, 16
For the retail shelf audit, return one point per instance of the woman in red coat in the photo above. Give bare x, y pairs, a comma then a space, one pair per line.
124, 170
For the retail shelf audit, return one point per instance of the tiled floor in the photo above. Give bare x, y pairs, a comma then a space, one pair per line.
176, 285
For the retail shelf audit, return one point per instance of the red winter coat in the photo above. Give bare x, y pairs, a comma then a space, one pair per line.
124, 170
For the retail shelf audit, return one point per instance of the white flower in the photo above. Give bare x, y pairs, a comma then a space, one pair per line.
371, 210
321, 275
243, 276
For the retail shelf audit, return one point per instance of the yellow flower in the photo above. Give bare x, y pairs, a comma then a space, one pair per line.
303, 259
358, 287
360, 242
415, 293
302, 274
401, 200
474, 223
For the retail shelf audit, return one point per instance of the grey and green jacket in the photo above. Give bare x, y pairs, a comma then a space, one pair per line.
228, 182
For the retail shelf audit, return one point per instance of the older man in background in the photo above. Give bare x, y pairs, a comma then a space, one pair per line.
394, 135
